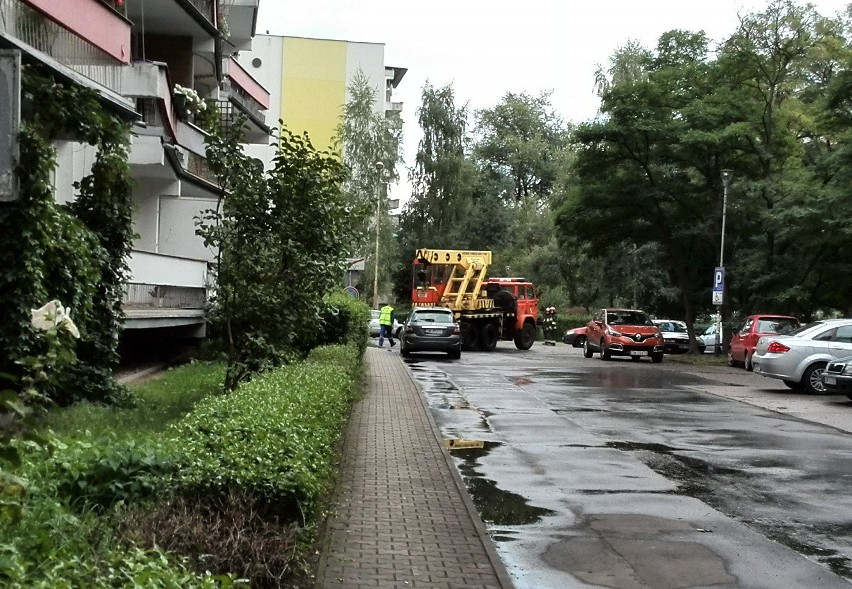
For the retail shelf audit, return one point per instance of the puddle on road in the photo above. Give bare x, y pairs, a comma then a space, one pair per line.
496, 507
705, 481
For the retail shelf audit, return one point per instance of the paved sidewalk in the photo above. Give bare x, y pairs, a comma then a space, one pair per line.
402, 516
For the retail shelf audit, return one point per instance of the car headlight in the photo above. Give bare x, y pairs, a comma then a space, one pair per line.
611, 331
847, 370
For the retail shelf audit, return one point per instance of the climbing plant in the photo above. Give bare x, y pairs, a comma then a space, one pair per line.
73, 253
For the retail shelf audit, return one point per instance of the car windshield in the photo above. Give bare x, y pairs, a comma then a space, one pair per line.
672, 326
776, 325
374, 314
432, 317
627, 318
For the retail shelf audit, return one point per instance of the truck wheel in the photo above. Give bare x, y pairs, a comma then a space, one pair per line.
488, 337
470, 337
524, 339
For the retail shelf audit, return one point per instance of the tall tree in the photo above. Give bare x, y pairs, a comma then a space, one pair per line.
520, 140
367, 135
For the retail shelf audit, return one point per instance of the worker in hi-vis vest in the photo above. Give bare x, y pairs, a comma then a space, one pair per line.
386, 325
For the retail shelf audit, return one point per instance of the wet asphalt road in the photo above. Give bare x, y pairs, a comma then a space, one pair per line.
633, 475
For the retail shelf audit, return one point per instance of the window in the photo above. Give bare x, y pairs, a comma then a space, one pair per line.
433, 317
844, 334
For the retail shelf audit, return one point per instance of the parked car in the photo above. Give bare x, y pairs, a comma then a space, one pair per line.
743, 342
374, 325
800, 357
708, 338
623, 332
431, 329
837, 376
575, 336
675, 336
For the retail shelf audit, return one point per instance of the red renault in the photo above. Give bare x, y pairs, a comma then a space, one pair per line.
623, 332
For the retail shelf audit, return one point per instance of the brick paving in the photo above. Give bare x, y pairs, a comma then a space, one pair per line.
402, 517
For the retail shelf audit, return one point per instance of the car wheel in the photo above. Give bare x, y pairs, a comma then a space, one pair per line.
812, 379
656, 358
702, 349
405, 353
587, 350
488, 338
454, 354
748, 363
792, 384
525, 338
579, 342
605, 355
731, 361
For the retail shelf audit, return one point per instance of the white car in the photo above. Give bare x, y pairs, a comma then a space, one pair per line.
675, 336
708, 338
374, 325
799, 358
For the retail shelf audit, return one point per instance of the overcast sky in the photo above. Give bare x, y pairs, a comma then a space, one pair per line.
487, 48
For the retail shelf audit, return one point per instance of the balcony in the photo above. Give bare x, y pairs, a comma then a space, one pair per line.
241, 16
246, 96
190, 18
165, 291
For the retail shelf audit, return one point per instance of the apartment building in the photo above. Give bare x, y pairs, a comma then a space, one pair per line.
143, 57
308, 78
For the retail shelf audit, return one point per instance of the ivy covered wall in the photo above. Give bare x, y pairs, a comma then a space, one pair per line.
75, 253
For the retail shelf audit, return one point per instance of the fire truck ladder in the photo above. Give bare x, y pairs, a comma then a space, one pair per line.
464, 283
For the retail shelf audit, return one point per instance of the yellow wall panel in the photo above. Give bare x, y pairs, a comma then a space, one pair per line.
314, 87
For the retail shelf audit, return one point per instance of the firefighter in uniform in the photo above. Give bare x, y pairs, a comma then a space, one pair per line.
548, 325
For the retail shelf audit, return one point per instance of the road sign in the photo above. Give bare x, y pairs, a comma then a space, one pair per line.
351, 291
718, 286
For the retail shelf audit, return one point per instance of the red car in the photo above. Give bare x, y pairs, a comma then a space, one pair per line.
744, 340
623, 332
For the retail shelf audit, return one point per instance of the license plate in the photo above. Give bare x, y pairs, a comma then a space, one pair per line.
638, 353
434, 331
829, 380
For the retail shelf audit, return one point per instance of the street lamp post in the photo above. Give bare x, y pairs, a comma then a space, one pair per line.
379, 167
727, 176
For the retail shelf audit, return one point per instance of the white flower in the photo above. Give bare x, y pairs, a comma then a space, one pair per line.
53, 316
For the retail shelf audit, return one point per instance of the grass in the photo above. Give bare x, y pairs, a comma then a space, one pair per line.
698, 359
162, 399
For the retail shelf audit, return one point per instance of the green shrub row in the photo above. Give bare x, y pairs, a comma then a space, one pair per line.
274, 437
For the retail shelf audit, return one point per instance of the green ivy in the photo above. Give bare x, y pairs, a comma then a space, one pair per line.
76, 254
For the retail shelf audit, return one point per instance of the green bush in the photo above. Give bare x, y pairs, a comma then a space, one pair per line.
274, 437
106, 471
344, 320
48, 546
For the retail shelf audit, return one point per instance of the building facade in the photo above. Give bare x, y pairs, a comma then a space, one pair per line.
144, 58
308, 79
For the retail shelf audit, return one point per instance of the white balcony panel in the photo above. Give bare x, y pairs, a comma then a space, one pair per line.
146, 150
191, 138
148, 268
177, 227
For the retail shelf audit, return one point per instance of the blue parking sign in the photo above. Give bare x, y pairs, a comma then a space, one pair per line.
719, 280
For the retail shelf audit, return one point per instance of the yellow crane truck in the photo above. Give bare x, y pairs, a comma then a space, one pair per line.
487, 309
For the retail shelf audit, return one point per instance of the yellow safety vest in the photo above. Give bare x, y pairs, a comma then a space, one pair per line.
385, 315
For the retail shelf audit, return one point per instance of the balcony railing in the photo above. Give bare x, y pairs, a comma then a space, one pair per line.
159, 296
205, 7
197, 166
42, 34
